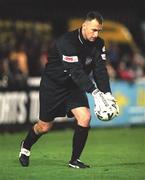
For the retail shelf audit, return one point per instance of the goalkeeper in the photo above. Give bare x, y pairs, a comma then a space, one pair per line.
64, 84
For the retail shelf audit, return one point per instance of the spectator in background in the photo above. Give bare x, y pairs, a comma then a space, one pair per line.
114, 54
19, 55
111, 71
11, 75
4, 72
138, 65
17, 79
131, 67
43, 60
125, 72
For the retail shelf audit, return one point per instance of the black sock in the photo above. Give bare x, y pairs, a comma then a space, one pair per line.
31, 139
79, 141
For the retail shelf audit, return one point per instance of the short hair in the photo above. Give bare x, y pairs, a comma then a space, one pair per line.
94, 15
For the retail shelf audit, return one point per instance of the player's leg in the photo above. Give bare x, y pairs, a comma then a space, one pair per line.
83, 116
33, 135
51, 99
48, 111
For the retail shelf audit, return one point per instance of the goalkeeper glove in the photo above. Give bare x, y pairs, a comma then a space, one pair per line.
99, 97
106, 107
110, 97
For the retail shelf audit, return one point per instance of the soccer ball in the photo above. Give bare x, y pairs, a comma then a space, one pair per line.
107, 111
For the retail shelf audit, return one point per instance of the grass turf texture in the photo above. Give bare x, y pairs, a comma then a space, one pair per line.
112, 153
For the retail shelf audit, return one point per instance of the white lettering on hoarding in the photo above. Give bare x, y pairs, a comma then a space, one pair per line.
13, 107
34, 106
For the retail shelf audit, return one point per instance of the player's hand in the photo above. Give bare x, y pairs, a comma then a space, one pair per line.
110, 97
106, 107
98, 96
95, 93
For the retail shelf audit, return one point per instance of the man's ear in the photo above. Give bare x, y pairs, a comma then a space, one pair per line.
84, 25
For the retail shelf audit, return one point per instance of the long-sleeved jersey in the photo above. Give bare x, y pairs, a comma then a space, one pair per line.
71, 60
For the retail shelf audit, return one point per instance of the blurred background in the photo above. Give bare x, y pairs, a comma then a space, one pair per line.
27, 28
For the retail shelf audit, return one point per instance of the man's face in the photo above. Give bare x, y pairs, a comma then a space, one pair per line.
91, 29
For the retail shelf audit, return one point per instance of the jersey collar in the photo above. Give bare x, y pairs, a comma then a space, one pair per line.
80, 36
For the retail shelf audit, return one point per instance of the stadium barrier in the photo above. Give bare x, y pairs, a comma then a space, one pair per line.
19, 108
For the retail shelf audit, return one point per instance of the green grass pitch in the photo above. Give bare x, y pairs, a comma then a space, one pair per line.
113, 154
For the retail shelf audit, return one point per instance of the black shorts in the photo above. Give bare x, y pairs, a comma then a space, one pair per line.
57, 100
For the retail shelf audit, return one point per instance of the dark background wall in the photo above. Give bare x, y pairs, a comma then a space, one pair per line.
44, 9
130, 12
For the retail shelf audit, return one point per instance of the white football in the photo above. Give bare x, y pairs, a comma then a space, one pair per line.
106, 111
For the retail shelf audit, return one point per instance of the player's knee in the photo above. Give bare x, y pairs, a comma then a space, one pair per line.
45, 128
84, 120
87, 117
42, 127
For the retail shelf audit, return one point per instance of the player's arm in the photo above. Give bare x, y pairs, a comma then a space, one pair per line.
100, 73
101, 79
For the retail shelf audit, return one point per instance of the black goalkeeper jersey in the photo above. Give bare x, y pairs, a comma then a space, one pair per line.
72, 59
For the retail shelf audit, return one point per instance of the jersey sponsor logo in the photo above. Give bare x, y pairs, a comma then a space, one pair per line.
88, 60
70, 59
